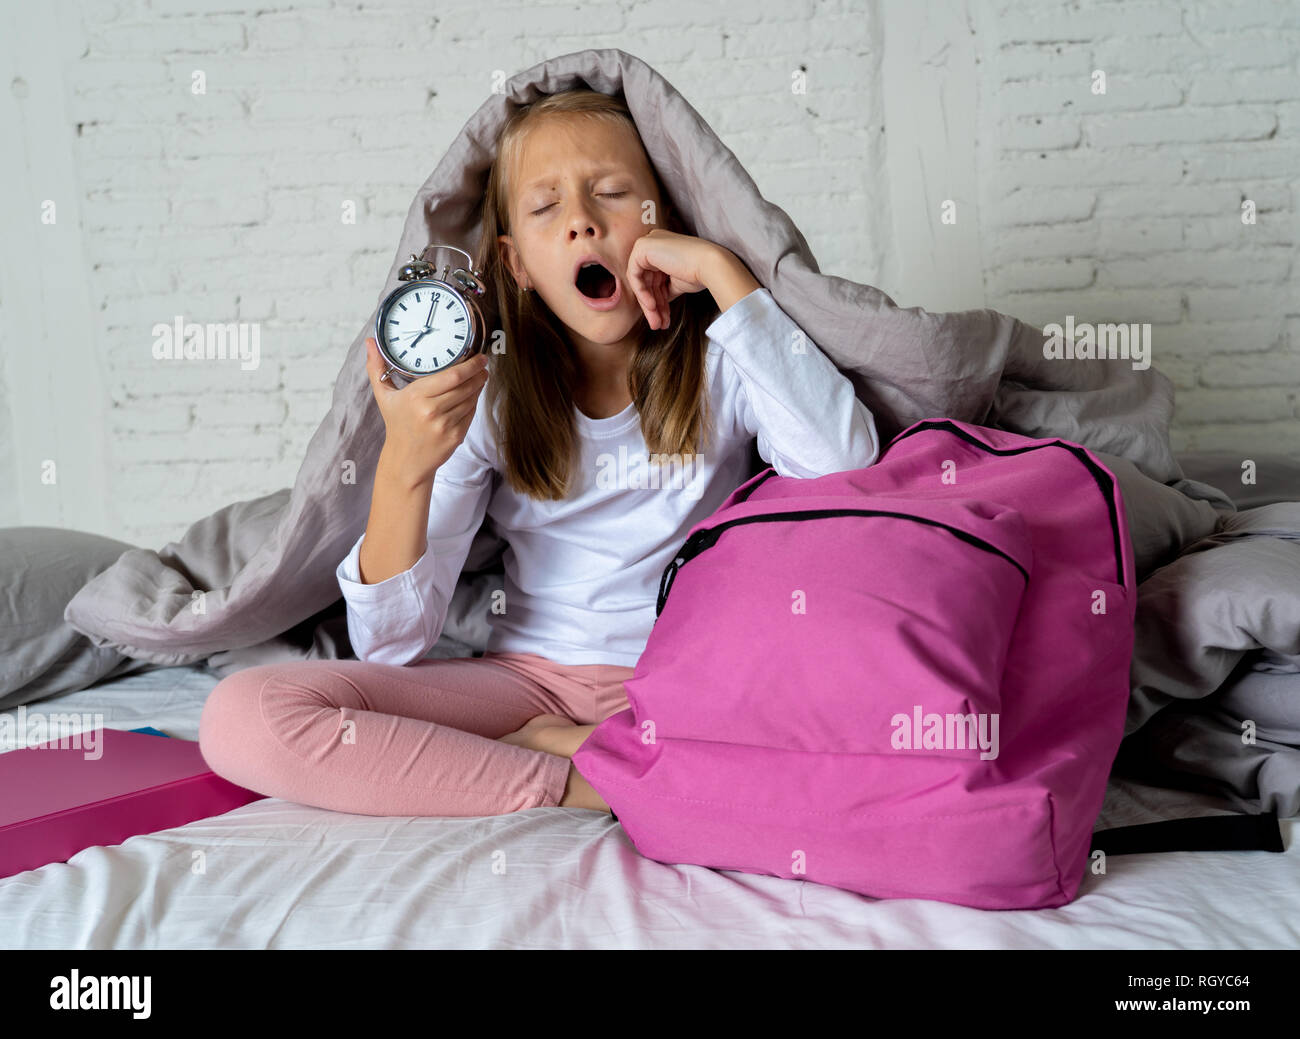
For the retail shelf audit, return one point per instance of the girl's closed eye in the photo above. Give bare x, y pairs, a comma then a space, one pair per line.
607, 194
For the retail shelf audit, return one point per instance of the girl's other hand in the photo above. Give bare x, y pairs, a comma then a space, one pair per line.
664, 265
427, 419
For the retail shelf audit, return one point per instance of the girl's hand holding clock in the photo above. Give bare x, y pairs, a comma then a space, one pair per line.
427, 419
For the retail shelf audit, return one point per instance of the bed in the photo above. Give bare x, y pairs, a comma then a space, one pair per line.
281, 875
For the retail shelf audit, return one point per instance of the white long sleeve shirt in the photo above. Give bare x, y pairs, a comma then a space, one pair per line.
582, 575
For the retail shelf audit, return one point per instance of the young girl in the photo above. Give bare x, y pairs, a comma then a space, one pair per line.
628, 342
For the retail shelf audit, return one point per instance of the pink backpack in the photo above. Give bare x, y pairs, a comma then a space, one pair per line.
907, 680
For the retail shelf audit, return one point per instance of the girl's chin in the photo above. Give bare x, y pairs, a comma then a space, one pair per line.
608, 328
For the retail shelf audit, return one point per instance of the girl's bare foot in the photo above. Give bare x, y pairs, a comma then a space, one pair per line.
534, 733
558, 735
578, 793
565, 740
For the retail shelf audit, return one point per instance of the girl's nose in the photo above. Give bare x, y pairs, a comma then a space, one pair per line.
581, 218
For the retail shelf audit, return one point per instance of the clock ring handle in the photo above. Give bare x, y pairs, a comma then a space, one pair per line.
466, 276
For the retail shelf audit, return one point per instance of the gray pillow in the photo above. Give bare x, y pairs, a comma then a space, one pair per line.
41, 655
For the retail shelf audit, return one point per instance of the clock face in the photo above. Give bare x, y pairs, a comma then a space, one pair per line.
426, 327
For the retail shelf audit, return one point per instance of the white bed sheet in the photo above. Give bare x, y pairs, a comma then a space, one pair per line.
282, 875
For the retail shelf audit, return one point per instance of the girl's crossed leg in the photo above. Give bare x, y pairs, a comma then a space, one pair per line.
379, 739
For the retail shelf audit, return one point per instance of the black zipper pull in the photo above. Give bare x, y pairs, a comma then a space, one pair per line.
666, 582
689, 550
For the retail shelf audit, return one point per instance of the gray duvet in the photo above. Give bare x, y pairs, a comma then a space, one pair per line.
1219, 592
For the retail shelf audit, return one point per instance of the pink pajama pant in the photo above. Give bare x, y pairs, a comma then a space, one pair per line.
379, 739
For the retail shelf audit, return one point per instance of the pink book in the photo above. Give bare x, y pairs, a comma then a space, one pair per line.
59, 797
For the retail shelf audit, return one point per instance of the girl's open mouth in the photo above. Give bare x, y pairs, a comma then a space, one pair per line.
598, 286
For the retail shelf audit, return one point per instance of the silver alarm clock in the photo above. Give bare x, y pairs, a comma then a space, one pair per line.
433, 320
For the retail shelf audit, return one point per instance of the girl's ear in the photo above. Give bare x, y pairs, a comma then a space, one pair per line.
510, 260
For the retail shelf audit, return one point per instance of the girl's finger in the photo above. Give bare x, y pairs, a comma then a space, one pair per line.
646, 301
657, 295
375, 368
642, 279
637, 281
653, 285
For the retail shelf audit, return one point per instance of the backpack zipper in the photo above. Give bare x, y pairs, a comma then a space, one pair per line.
702, 539
1104, 485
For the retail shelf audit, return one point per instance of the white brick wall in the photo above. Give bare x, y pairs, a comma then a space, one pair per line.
1126, 206
225, 207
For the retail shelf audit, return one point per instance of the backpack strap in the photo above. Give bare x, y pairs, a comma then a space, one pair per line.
1203, 833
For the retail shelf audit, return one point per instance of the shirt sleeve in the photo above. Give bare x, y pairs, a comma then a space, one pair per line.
397, 620
804, 411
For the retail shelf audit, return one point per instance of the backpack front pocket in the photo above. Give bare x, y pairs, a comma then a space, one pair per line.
837, 627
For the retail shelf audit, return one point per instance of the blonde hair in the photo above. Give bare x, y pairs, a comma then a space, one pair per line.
534, 379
